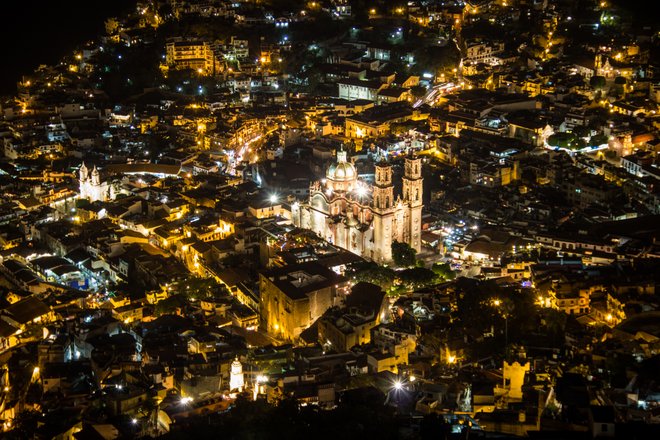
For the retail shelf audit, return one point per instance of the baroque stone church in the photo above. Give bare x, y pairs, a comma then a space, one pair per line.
91, 187
363, 218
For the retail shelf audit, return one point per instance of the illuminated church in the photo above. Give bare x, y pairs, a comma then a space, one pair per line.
91, 186
362, 218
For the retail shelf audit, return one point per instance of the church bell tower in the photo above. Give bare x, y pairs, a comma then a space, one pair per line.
383, 206
412, 197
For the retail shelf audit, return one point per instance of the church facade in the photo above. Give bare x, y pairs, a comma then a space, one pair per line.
91, 187
362, 218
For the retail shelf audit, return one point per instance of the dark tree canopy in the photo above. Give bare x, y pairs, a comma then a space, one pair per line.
403, 255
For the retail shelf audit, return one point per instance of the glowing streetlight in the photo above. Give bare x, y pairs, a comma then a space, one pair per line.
398, 385
273, 198
497, 303
186, 400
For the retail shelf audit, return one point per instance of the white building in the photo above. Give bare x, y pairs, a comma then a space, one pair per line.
483, 52
91, 186
236, 379
353, 88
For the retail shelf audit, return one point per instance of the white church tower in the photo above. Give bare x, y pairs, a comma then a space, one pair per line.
412, 198
236, 379
90, 185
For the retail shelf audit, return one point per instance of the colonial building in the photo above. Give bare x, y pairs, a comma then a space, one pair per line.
200, 56
293, 297
364, 219
91, 186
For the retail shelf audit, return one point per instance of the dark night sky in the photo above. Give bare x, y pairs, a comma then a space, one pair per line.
37, 32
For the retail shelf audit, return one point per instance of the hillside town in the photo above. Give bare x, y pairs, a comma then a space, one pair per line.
336, 218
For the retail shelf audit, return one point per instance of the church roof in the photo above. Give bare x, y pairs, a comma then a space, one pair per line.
342, 170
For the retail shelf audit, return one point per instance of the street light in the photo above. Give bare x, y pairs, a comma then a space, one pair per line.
497, 303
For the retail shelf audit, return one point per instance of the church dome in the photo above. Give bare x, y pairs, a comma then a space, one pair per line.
343, 170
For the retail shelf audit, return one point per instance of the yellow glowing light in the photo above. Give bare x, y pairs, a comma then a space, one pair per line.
262, 59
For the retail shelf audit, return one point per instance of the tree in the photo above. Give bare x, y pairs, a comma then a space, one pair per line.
417, 277
169, 305
198, 288
598, 139
443, 270
597, 82
433, 426
418, 91
373, 273
403, 255
434, 58
566, 140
